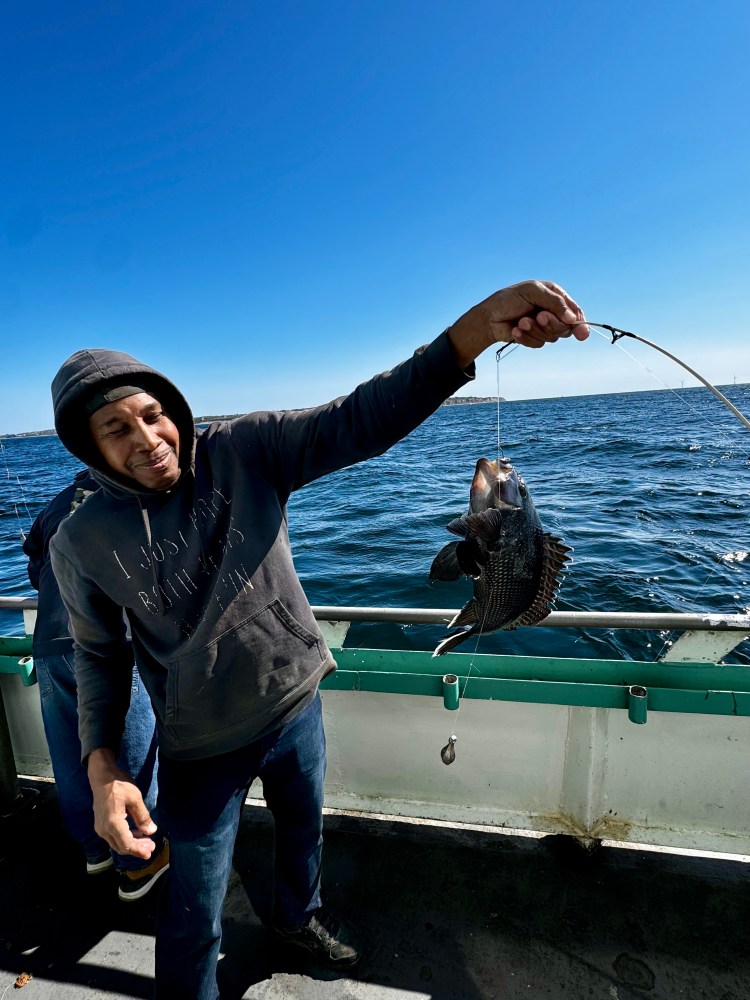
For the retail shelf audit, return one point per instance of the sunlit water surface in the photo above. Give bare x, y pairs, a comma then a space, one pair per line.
651, 490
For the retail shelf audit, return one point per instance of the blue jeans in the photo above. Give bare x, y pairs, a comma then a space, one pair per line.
58, 692
200, 803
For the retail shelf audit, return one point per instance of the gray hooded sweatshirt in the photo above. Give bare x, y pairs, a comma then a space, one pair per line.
222, 632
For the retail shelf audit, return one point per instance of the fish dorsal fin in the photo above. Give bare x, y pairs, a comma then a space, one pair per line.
486, 525
554, 558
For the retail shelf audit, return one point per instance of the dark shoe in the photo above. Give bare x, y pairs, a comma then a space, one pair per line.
135, 885
330, 940
102, 863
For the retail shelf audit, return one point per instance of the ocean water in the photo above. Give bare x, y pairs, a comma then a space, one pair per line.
651, 489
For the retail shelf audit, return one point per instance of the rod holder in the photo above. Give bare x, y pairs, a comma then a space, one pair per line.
637, 703
450, 692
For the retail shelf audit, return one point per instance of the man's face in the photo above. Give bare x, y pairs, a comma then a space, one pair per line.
137, 439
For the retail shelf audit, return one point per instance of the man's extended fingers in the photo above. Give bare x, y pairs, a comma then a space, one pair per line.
544, 295
141, 817
120, 838
546, 328
124, 842
140, 847
572, 305
139, 842
570, 314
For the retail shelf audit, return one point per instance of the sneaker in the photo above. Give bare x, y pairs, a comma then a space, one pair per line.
102, 863
135, 884
330, 940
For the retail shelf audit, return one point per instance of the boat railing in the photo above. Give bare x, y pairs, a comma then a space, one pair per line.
706, 636
556, 619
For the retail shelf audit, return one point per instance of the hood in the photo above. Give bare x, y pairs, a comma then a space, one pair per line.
88, 372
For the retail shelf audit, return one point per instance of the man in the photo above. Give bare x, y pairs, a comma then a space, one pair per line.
52, 648
188, 535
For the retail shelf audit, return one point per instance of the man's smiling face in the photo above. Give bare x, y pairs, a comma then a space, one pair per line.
138, 440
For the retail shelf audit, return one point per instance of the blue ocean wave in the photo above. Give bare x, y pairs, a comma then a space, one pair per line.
652, 497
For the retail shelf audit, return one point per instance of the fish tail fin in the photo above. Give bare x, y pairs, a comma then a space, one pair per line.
451, 641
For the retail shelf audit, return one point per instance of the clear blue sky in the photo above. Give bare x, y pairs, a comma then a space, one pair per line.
272, 201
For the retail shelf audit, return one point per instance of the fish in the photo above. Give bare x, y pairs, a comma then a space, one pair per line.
516, 566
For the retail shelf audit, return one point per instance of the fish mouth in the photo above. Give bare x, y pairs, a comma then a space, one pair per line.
495, 485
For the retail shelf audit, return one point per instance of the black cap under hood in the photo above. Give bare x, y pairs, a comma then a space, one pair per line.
87, 373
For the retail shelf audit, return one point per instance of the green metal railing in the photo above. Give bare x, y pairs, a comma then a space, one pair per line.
638, 687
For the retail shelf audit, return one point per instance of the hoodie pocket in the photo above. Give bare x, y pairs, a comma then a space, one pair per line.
242, 674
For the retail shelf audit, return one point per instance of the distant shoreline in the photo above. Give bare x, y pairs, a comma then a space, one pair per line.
472, 400
451, 401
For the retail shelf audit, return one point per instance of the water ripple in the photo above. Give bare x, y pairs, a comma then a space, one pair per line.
653, 499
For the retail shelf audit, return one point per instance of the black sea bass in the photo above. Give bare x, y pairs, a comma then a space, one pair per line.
516, 566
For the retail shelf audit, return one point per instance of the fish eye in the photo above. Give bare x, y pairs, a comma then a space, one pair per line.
522, 488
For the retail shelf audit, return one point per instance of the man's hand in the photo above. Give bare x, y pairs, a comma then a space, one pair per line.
533, 313
115, 798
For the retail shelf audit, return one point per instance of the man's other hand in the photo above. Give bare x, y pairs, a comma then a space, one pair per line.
117, 797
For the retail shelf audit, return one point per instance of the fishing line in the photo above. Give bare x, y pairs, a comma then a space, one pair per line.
512, 346
719, 430
23, 496
667, 639
617, 334
448, 753
718, 562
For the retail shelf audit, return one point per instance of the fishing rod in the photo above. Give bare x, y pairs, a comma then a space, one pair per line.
617, 334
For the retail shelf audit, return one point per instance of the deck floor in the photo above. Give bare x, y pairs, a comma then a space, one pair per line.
444, 914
